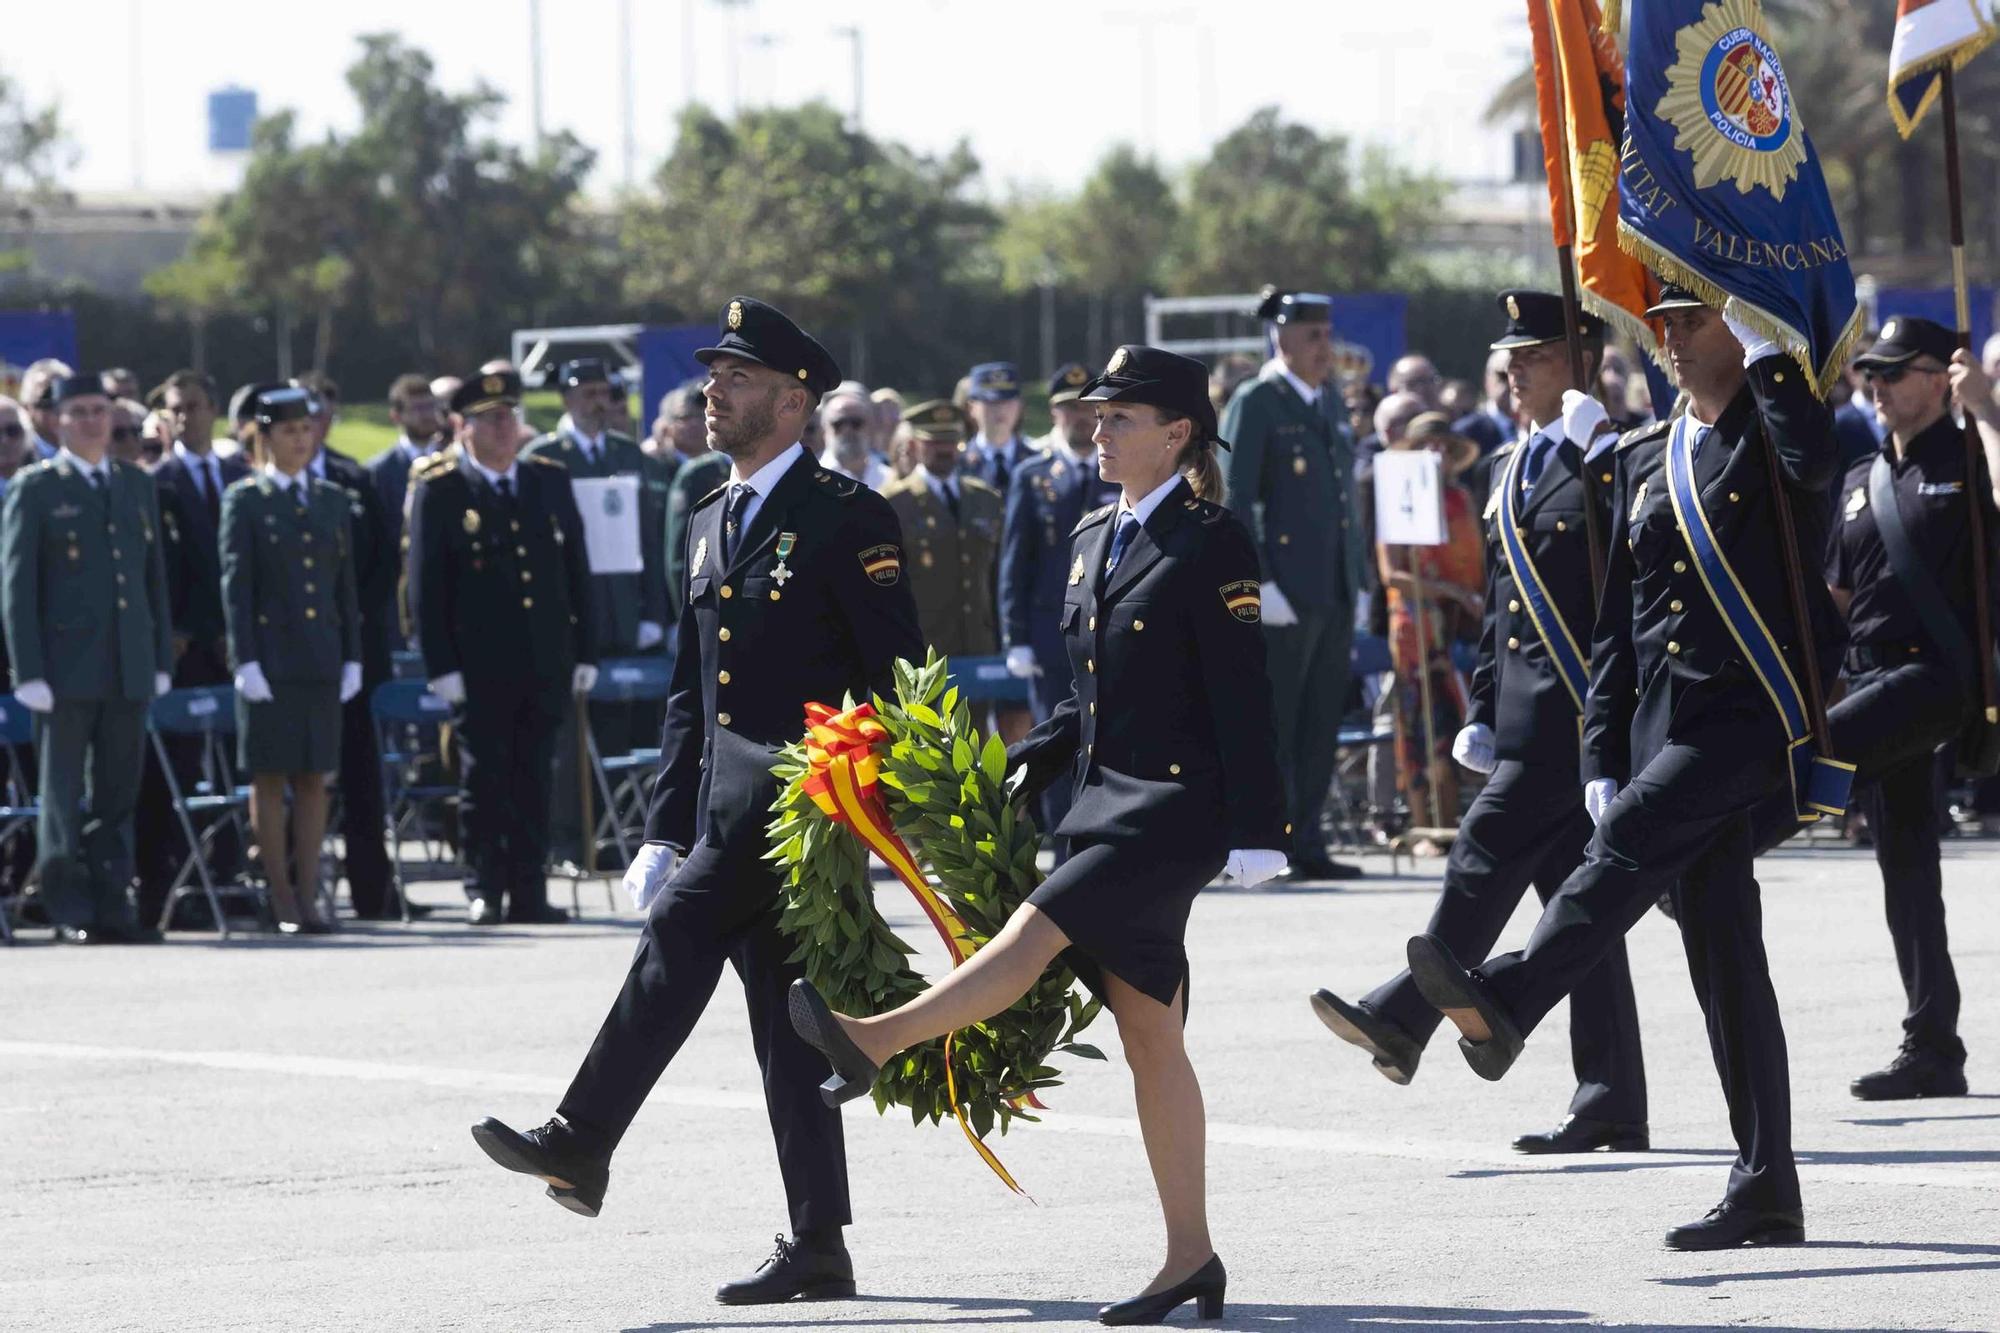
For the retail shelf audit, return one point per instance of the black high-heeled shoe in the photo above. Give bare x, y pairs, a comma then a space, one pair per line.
1205, 1288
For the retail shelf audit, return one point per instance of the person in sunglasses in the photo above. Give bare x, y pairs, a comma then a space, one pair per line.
848, 417
14, 447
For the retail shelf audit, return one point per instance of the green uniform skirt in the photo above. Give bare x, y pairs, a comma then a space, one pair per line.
297, 732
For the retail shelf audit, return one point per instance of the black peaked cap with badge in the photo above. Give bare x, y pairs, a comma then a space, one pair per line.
754, 331
1673, 296
495, 388
1903, 339
582, 370
1275, 305
1535, 318
1157, 378
1067, 383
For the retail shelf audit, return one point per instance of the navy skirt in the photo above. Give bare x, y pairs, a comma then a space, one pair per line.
1124, 906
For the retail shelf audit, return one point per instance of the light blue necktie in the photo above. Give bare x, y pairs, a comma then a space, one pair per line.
1538, 458
1701, 434
1121, 540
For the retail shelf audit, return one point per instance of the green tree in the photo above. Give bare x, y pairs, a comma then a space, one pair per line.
199, 286
34, 151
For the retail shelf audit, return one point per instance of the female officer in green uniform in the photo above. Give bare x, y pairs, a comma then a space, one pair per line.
1174, 770
295, 643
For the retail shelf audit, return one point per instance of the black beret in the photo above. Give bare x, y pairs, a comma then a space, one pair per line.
1158, 378
1067, 382
1904, 338
1534, 318
754, 331
495, 388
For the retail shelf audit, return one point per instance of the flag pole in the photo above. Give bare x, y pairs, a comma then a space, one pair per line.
1593, 535
1989, 688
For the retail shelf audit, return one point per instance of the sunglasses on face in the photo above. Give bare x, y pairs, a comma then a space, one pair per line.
1895, 374
850, 423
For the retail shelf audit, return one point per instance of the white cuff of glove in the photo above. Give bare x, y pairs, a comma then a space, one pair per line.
449, 687
651, 634
1021, 662
1583, 418
1598, 793
250, 683
162, 682
1755, 345
584, 679
1277, 608
1473, 747
1251, 866
651, 868
350, 680
35, 696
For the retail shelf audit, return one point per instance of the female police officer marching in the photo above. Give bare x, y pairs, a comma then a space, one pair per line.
295, 643
1172, 759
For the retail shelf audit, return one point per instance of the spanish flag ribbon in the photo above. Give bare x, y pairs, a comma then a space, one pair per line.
843, 773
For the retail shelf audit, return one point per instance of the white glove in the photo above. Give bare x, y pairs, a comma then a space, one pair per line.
1021, 661
35, 696
1583, 417
649, 872
350, 680
449, 687
651, 635
583, 679
1277, 611
1598, 794
1473, 747
1251, 866
162, 682
1755, 345
250, 683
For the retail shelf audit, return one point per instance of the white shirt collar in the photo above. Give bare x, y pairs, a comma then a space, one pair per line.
1150, 501
281, 481
1305, 391
765, 478
100, 468
592, 445
199, 462
411, 449
493, 478
940, 487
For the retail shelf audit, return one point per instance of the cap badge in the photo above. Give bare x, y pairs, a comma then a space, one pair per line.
1117, 362
1076, 375
493, 384
1513, 308
1889, 330
802, 372
735, 320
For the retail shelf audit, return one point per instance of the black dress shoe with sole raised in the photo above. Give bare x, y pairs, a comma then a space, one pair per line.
1915, 1073
1446, 985
853, 1072
1580, 1133
576, 1176
1396, 1052
797, 1270
1206, 1288
1730, 1225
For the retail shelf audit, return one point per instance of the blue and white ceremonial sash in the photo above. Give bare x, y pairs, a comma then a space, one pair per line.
1819, 783
1572, 667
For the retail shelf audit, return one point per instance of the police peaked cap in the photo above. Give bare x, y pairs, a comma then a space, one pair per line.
1535, 318
273, 403
936, 419
1904, 338
1067, 382
1278, 306
754, 331
1673, 296
1157, 378
495, 388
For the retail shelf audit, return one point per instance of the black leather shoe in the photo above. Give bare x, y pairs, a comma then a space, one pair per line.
853, 1072
537, 914
483, 912
796, 1271
1579, 1133
1316, 870
1396, 1052
1729, 1225
1446, 985
576, 1174
1206, 1288
1915, 1072
80, 935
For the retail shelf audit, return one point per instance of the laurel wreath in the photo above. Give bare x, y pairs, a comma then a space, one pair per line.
944, 789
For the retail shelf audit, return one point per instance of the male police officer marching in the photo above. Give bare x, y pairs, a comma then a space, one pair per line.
795, 594
501, 601
1291, 479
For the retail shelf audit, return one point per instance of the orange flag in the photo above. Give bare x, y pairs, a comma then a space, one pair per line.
1580, 92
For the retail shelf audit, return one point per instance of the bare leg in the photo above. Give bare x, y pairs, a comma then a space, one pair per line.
309, 803
267, 821
979, 988
1171, 1120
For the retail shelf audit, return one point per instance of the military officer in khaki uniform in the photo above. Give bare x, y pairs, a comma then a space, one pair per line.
951, 530
83, 591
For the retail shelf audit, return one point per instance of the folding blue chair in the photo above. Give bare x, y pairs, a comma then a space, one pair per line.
986, 680
623, 781
215, 801
409, 729
18, 807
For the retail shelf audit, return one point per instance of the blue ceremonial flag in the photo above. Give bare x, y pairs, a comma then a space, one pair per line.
1719, 188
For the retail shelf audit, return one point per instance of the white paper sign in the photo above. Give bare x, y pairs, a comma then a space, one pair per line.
610, 509
1409, 498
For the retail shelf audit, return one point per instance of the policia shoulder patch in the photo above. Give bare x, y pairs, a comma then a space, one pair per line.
884, 564
1245, 600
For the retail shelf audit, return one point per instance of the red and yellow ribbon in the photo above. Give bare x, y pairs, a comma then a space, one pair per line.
843, 779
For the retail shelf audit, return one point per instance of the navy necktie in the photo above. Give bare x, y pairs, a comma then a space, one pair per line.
298, 490
1538, 458
1121, 540
506, 488
96, 481
733, 521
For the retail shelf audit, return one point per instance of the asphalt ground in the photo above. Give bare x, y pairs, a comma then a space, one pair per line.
271, 1134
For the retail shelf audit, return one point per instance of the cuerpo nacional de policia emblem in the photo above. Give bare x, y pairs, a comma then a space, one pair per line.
1729, 102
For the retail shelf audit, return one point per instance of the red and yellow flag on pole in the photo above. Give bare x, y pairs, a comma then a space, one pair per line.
1580, 95
1931, 34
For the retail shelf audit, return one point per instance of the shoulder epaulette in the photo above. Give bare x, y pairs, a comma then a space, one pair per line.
710, 496
1093, 518
241, 482
543, 460
977, 484
1506, 449
1206, 511
844, 487
434, 465
1642, 435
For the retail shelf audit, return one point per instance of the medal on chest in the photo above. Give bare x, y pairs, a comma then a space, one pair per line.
1857, 502
1638, 503
700, 556
779, 571
1076, 571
